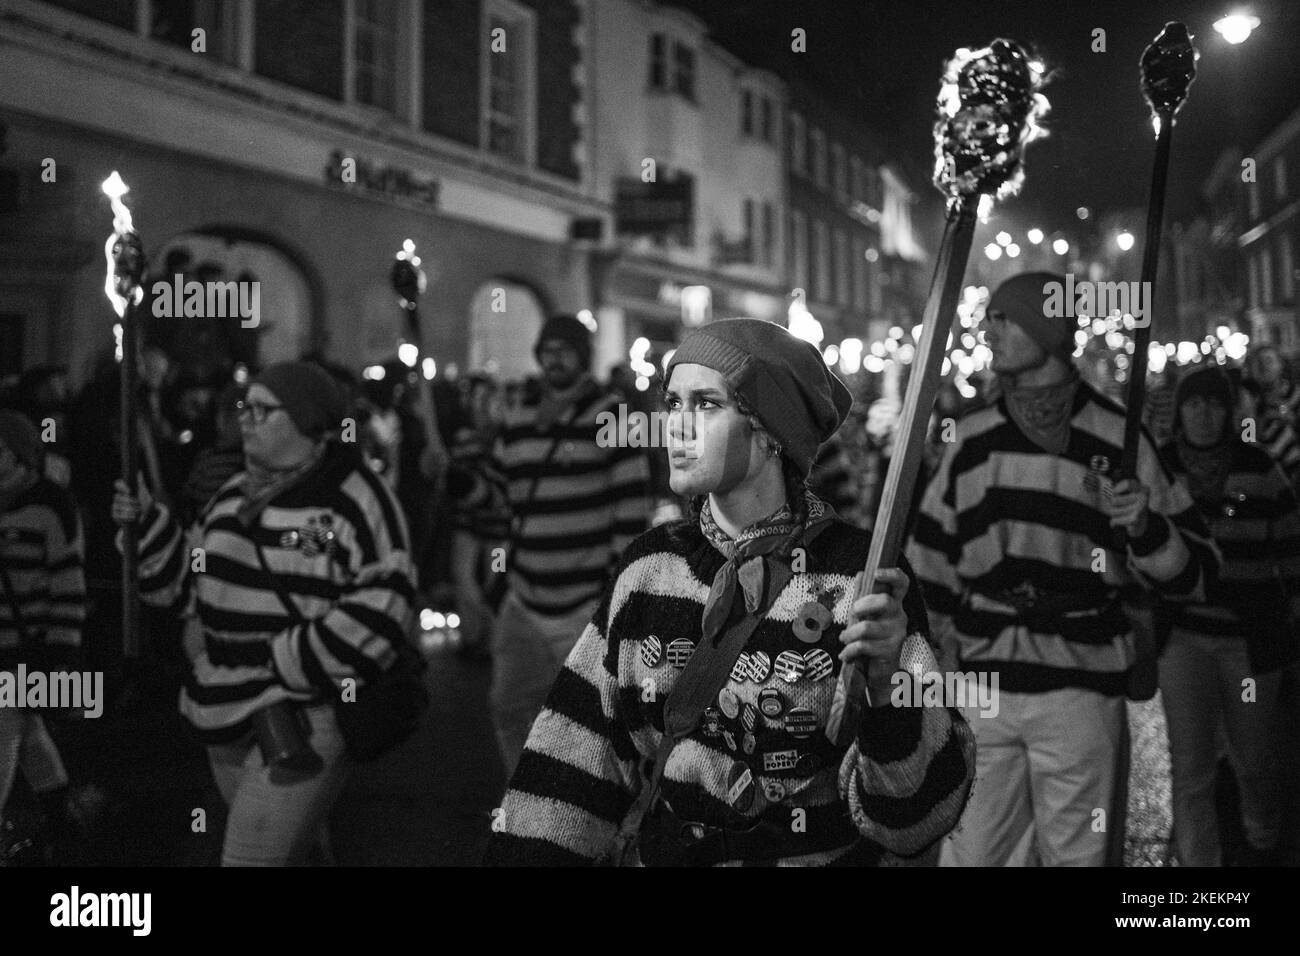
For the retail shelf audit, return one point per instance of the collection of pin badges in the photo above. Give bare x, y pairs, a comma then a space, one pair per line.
756, 667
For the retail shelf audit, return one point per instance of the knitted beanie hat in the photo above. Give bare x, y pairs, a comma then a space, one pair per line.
309, 396
1022, 300
570, 330
19, 435
1210, 382
782, 379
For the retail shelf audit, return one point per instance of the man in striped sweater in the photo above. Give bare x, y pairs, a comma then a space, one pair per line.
577, 503
757, 586
42, 607
1015, 546
332, 533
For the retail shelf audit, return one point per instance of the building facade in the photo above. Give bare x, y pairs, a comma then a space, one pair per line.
299, 143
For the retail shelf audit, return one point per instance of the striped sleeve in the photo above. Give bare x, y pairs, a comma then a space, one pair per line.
359, 636
935, 549
577, 777
630, 494
1175, 553
163, 556
64, 566
908, 775
1284, 534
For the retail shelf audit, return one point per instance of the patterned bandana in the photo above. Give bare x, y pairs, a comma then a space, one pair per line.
751, 563
261, 485
1043, 412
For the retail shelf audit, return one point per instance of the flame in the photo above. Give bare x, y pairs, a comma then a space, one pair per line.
114, 188
408, 253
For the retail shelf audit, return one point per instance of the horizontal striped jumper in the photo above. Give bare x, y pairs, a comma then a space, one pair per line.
588, 504
1256, 524
41, 559
338, 543
895, 791
1017, 557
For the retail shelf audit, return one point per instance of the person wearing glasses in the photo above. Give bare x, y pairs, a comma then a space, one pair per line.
1016, 550
332, 535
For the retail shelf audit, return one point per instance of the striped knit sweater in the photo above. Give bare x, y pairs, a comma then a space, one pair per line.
1256, 524
41, 557
1019, 560
337, 542
899, 788
588, 504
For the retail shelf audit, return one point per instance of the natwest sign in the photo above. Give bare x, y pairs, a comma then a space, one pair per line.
352, 172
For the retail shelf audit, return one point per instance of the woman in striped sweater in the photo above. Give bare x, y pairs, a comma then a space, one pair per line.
1242, 630
333, 534
761, 581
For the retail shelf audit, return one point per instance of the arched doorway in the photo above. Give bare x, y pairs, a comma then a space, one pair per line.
284, 329
505, 317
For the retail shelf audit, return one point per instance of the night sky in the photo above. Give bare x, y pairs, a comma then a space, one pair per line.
884, 60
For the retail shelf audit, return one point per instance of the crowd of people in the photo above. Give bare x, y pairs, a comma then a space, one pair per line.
663, 678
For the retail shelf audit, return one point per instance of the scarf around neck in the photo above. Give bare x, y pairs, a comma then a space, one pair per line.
1043, 412
262, 485
753, 563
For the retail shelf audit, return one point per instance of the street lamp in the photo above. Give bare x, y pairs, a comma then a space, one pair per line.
1124, 240
1060, 247
993, 251
1035, 236
1236, 27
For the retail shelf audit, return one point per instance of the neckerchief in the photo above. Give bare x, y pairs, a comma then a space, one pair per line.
261, 485
752, 562
1207, 471
1043, 412
554, 405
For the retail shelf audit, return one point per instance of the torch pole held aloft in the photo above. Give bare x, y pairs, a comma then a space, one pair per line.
1168, 68
987, 107
124, 255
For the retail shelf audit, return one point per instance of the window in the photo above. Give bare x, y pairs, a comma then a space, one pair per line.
658, 61
1279, 177
1286, 267
837, 169
175, 21
841, 267
798, 145
120, 13
747, 113
860, 292
374, 44
769, 235
751, 246
857, 188
676, 75
300, 43
507, 111
1252, 199
822, 261
1265, 276
799, 250
684, 71
817, 147
768, 125
1254, 281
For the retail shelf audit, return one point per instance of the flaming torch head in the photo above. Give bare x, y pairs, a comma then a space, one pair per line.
123, 251
988, 111
1168, 68
407, 277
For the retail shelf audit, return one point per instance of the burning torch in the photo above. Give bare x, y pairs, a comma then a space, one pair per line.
124, 253
988, 107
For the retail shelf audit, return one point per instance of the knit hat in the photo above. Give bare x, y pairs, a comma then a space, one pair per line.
782, 379
309, 396
1023, 301
1209, 382
19, 435
570, 330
